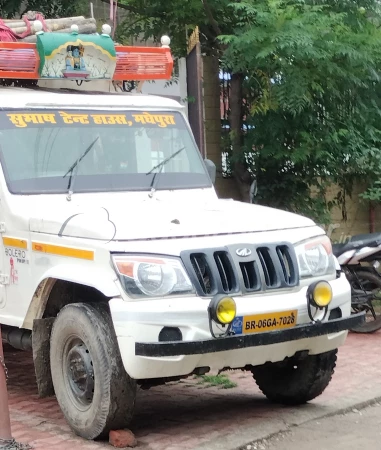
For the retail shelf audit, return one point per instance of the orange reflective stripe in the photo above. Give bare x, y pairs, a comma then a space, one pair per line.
63, 251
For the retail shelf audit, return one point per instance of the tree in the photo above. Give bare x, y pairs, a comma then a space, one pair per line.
50, 8
313, 95
8, 8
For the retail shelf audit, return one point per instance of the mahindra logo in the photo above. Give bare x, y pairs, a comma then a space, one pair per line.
243, 252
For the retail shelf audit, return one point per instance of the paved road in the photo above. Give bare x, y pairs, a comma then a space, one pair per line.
359, 429
187, 415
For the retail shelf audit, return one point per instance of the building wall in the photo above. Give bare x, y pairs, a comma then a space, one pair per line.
358, 218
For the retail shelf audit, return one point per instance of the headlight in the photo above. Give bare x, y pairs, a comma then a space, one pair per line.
147, 276
315, 257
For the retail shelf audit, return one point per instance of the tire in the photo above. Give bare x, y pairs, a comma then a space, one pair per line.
92, 388
370, 282
296, 381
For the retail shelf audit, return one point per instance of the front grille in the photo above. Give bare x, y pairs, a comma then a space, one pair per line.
228, 270
203, 273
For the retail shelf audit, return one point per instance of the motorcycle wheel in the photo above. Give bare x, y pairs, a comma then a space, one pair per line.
370, 283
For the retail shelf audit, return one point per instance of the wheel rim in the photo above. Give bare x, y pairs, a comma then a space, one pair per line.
371, 306
78, 373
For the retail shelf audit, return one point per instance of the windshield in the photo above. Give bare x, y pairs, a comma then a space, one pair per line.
101, 150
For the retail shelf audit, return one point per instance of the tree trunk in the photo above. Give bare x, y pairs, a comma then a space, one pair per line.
372, 217
241, 175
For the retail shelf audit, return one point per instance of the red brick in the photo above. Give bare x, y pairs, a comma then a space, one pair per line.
122, 439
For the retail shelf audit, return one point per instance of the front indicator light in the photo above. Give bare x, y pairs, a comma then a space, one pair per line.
319, 295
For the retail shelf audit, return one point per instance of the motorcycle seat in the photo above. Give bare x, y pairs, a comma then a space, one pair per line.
358, 241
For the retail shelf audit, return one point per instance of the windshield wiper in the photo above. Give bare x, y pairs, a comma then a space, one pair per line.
75, 165
161, 164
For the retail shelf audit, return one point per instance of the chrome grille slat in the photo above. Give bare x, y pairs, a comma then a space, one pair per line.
225, 270
286, 263
271, 278
250, 275
264, 268
202, 271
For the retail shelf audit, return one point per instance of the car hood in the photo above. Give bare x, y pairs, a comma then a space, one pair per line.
163, 219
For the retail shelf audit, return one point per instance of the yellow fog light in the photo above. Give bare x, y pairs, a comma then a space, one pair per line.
320, 294
222, 309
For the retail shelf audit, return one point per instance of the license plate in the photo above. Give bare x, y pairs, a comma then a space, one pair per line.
259, 323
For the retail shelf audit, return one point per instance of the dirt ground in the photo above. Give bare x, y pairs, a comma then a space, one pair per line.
357, 429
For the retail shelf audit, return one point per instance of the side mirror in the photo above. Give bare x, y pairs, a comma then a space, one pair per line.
211, 168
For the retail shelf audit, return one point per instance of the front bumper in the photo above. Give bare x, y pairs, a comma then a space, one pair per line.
138, 325
177, 348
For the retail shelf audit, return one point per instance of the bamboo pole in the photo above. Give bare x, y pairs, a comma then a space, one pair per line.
20, 23
5, 421
82, 29
57, 26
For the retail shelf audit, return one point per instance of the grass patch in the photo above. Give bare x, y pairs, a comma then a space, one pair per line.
220, 381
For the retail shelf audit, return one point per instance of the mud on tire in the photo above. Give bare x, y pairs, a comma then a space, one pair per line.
296, 381
92, 388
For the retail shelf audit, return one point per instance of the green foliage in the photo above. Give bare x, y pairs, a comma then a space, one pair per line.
51, 9
153, 18
221, 381
58, 8
373, 193
9, 7
312, 87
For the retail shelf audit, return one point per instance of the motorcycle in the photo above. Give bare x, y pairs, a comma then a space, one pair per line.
359, 259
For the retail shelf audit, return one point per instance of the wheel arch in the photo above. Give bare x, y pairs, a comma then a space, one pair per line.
96, 281
57, 289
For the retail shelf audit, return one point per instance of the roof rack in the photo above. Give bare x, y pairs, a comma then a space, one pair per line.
83, 57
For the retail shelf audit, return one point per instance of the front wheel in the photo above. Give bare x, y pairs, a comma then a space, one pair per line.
295, 381
92, 388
